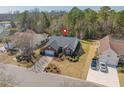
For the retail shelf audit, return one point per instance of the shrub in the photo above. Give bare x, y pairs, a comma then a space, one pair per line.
74, 59
95, 58
53, 69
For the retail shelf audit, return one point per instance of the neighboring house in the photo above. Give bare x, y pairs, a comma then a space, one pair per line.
3, 30
7, 17
110, 50
59, 44
29, 36
8, 45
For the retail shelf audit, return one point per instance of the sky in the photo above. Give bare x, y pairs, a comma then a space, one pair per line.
7, 9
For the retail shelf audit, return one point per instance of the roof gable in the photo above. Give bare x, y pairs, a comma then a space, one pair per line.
116, 45
104, 44
54, 44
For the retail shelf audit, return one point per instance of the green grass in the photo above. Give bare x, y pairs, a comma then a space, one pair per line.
120, 65
119, 68
86, 45
87, 42
4, 22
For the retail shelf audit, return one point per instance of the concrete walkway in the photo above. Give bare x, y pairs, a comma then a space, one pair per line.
40, 66
26, 78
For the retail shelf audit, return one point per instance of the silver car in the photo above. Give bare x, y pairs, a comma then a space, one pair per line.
103, 67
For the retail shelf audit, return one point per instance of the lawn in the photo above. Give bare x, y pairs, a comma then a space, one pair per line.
4, 22
77, 69
121, 78
1, 45
7, 59
11, 59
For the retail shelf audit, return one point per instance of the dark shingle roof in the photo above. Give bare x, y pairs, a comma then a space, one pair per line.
61, 41
54, 44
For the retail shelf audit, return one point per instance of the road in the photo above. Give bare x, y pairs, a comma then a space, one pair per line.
24, 78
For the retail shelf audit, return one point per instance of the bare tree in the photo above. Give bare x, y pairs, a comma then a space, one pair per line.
26, 43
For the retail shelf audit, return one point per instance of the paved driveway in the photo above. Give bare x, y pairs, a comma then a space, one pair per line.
107, 79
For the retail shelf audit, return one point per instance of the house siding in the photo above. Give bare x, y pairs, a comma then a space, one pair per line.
110, 56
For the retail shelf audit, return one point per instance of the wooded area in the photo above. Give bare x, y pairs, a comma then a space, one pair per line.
84, 24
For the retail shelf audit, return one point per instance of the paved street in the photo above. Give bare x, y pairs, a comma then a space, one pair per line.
25, 78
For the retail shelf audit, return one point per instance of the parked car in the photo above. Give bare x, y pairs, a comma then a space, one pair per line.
121, 61
103, 67
94, 65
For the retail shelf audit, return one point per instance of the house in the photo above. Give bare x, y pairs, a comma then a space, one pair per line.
7, 17
61, 44
110, 50
3, 31
30, 37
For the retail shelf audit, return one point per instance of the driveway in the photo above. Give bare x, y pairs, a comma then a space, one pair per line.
90, 55
109, 79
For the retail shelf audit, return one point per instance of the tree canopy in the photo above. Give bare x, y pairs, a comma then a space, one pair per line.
84, 24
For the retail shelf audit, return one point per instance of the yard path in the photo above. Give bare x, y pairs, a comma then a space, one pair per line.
91, 54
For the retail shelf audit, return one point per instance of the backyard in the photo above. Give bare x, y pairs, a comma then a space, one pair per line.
78, 69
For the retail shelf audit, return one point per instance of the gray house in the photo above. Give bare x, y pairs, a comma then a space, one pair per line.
110, 50
59, 44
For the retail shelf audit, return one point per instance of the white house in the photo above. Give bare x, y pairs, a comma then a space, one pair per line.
110, 50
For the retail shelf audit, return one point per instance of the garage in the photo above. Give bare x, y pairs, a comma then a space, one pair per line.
49, 52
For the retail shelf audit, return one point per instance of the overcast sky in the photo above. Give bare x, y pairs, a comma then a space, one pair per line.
6, 9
